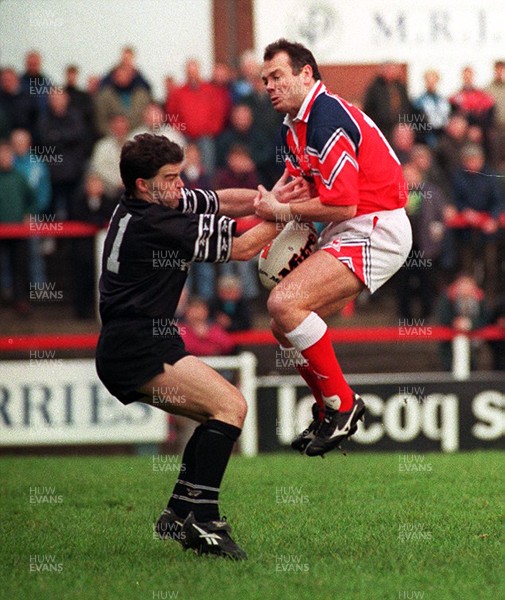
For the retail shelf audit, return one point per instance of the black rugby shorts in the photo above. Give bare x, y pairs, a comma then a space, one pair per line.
130, 353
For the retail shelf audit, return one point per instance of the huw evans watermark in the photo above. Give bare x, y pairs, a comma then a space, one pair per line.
44, 495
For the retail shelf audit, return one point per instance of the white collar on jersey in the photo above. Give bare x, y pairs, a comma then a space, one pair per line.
303, 112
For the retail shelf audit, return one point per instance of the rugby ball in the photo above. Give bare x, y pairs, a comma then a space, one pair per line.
293, 245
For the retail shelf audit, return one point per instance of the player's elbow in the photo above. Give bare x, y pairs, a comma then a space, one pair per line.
351, 211
243, 249
347, 212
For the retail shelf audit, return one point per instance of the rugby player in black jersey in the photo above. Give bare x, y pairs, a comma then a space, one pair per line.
158, 229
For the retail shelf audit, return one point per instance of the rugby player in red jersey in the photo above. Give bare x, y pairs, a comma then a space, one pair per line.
355, 185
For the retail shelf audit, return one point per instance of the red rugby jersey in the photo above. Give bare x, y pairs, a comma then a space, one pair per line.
336, 145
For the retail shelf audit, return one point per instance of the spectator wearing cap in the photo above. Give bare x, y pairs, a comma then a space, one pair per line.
193, 172
425, 208
202, 275
229, 308
422, 156
127, 61
240, 172
90, 205
402, 141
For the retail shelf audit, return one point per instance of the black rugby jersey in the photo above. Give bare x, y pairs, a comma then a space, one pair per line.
148, 250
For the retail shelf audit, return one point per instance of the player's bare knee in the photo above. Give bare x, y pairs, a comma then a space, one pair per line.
279, 334
278, 304
240, 409
232, 410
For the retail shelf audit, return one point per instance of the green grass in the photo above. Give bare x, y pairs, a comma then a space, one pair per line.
337, 536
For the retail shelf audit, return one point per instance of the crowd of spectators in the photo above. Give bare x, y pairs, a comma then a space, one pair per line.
61, 141
452, 150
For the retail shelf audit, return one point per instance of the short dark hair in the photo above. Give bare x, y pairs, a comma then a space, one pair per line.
145, 155
299, 56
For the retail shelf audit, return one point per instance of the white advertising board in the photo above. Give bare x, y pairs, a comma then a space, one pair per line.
48, 400
440, 34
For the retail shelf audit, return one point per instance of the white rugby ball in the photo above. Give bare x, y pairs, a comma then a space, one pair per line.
293, 245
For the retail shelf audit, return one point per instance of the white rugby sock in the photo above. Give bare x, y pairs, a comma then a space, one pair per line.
310, 331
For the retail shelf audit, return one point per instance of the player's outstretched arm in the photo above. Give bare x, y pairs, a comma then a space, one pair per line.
269, 208
254, 240
236, 202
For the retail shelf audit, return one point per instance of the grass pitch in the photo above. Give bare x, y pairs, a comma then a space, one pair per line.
347, 527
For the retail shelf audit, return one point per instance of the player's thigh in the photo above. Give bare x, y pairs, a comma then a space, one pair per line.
192, 388
321, 283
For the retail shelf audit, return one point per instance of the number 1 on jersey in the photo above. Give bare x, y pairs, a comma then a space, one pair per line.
113, 260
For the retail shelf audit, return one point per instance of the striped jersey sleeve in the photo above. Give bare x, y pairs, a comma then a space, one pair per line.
213, 239
198, 202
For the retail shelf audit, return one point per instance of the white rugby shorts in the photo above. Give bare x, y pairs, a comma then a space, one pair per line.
374, 246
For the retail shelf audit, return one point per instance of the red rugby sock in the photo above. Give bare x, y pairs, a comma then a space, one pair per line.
327, 371
312, 340
311, 380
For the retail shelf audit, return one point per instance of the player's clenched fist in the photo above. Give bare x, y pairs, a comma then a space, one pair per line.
296, 190
269, 208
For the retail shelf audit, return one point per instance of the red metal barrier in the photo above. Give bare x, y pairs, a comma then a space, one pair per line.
47, 229
461, 221
262, 337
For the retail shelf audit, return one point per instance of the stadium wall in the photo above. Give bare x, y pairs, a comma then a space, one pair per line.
49, 402
435, 33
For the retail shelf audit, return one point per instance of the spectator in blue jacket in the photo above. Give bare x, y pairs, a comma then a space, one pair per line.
476, 188
476, 192
16, 204
434, 106
36, 173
